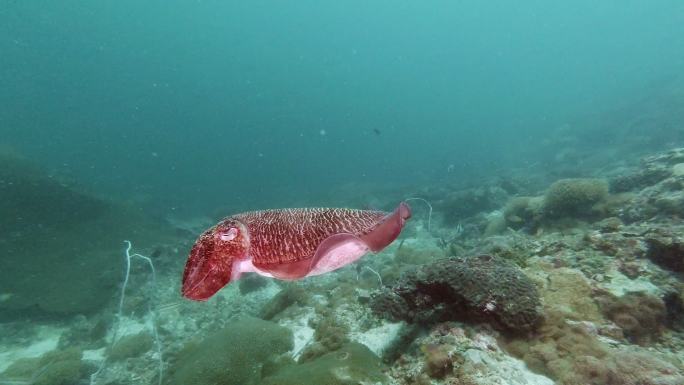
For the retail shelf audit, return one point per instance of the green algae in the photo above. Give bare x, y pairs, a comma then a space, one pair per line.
57, 367
234, 355
352, 364
130, 346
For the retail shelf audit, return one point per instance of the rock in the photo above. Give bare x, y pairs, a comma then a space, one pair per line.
131, 346
643, 368
666, 250
472, 356
610, 225
648, 175
462, 204
674, 304
678, 169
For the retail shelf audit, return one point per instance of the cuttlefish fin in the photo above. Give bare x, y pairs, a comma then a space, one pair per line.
387, 229
337, 251
341, 249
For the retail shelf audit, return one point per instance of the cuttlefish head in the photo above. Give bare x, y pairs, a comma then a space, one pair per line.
210, 264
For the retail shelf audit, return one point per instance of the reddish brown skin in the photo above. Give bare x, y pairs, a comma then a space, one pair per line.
274, 240
291, 235
207, 259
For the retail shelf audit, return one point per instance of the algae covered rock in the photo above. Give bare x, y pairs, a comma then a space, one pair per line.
352, 364
569, 292
641, 316
287, 297
481, 288
62, 247
329, 336
234, 355
57, 367
31, 199
523, 212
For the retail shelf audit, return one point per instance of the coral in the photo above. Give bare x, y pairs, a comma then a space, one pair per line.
234, 355
640, 315
352, 364
481, 288
574, 198
58, 367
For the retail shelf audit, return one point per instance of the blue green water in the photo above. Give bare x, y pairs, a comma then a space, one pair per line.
198, 103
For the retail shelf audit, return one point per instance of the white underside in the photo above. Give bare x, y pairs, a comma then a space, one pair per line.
246, 266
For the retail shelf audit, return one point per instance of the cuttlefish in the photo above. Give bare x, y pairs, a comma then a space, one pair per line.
287, 244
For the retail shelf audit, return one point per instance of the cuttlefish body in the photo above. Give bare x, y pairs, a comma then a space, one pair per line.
287, 244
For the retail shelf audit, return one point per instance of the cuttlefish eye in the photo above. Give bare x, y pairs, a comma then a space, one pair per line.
228, 235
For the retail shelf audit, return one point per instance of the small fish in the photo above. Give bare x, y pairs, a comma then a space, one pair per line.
287, 244
376, 131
